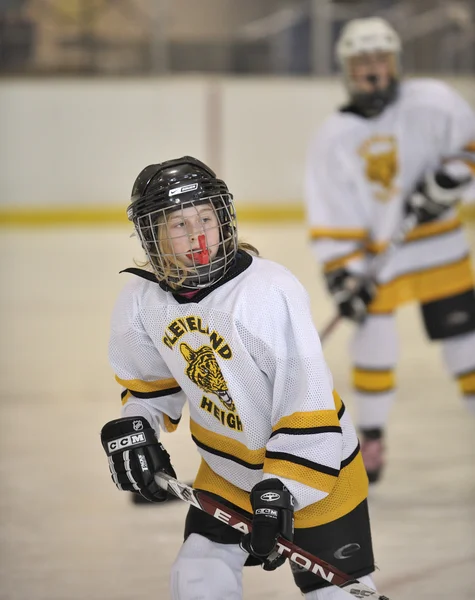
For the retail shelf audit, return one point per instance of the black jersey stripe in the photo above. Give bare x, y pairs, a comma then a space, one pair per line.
174, 421
351, 458
255, 467
292, 458
341, 412
156, 394
465, 373
307, 430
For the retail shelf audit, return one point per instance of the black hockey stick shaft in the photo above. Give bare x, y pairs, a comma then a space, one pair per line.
203, 501
376, 265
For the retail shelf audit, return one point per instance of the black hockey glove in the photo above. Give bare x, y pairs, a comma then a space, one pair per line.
135, 455
273, 516
351, 292
438, 192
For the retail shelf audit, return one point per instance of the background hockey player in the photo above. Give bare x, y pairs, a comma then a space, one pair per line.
396, 148
212, 323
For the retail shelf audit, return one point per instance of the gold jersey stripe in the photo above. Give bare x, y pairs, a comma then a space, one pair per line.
470, 147
426, 230
316, 418
170, 425
206, 479
338, 234
338, 401
373, 381
303, 420
425, 286
351, 489
226, 445
467, 383
300, 473
137, 385
337, 263
126, 397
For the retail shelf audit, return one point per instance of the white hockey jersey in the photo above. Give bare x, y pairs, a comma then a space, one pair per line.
359, 173
248, 359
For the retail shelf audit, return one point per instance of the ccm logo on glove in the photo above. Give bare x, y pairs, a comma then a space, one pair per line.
135, 455
269, 512
125, 442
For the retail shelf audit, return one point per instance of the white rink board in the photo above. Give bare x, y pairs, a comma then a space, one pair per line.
66, 533
82, 142
74, 142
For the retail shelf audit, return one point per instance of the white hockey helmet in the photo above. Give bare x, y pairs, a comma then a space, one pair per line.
369, 36
361, 36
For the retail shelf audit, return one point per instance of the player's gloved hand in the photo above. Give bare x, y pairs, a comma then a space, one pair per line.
273, 516
439, 191
352, 293
135, 455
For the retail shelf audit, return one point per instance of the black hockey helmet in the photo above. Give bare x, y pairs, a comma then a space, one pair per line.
162, 189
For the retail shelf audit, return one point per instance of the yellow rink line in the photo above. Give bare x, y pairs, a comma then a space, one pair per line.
47, 216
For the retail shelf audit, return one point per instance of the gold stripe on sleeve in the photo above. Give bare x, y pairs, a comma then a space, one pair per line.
470, 147
421, 232
337, 263
170, 424
467, 383
303, 420
338, 234
126, 397
301, 473
145, 387
338, 401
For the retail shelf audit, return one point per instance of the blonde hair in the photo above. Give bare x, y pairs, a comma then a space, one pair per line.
171, 268
176, 269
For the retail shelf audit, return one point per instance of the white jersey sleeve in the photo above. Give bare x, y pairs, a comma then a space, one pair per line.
306, 447
452, 120
457, 114
460, 128
149, 389
339, 222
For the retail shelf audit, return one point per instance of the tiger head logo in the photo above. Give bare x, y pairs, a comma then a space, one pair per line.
204, 371
380, 154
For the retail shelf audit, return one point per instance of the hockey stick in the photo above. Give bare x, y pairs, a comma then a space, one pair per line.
203, 501
376, 265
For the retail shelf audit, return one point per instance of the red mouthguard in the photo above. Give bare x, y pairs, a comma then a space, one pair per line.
201, 257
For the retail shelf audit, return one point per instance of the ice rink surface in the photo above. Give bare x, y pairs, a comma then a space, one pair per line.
68, 534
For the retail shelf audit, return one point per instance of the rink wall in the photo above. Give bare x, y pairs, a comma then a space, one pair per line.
71, 148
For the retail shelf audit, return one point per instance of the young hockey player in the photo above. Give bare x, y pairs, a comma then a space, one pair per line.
212, 323
396, 148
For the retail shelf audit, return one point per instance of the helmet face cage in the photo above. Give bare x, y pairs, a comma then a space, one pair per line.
370, 37
188, 246
389, 60
371, 103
